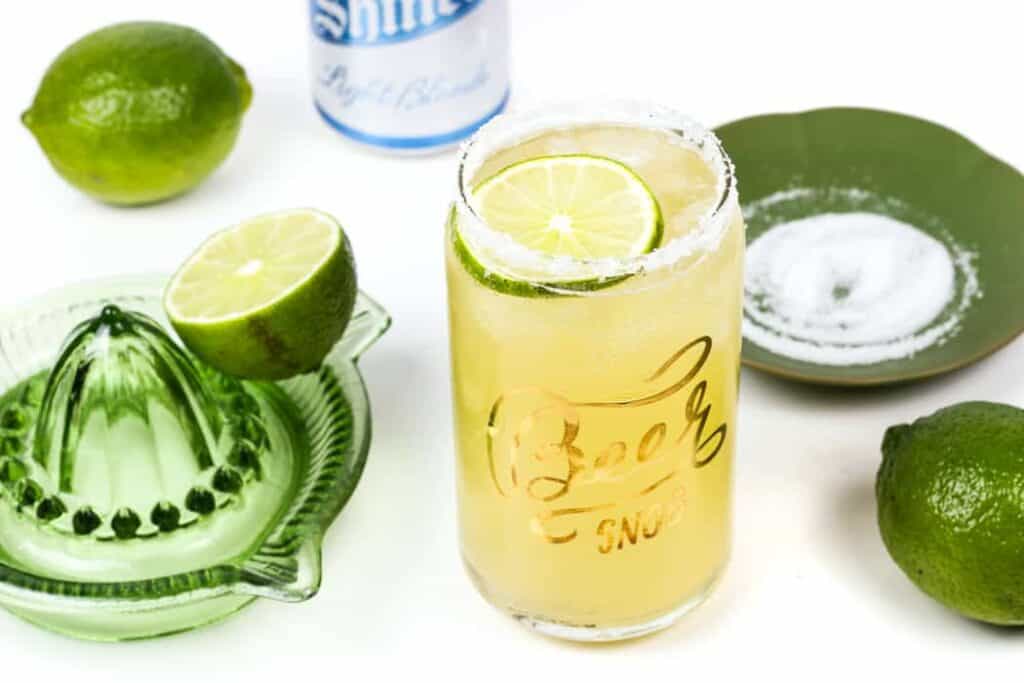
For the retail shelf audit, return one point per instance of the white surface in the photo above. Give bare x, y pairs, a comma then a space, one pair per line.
810, 593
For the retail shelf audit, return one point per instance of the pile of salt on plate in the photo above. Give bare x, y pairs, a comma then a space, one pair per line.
853, 289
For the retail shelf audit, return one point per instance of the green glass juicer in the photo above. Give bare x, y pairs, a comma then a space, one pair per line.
143, 493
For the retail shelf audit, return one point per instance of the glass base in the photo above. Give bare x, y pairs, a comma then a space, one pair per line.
584, 633
142, 625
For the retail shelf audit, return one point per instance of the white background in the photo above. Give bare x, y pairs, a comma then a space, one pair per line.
810, 594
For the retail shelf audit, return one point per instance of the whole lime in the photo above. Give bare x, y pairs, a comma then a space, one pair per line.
139, 112
950, 496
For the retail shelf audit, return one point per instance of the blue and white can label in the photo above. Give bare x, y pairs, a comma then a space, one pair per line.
409, 75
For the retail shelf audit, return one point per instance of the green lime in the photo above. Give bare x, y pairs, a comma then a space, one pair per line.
580, 206
950, 495
267, 299
139, 112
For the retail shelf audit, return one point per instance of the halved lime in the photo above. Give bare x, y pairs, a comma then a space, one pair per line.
268, 298
581, 206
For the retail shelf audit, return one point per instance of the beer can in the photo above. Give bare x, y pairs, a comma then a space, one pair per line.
409, 76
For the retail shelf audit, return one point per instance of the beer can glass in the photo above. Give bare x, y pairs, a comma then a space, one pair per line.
595, 394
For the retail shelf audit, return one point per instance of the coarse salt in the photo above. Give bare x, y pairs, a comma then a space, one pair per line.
854, 288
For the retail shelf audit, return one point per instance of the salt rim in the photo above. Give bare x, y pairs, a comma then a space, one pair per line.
510, 129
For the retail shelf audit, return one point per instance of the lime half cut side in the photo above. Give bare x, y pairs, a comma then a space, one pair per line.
266, 299
584, 207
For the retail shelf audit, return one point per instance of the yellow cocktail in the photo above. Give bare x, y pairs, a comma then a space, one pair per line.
595, 396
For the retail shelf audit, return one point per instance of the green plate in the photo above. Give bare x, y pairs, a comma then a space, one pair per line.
847, 159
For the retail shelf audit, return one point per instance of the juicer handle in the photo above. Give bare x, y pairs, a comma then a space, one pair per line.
369, 322
287, 577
